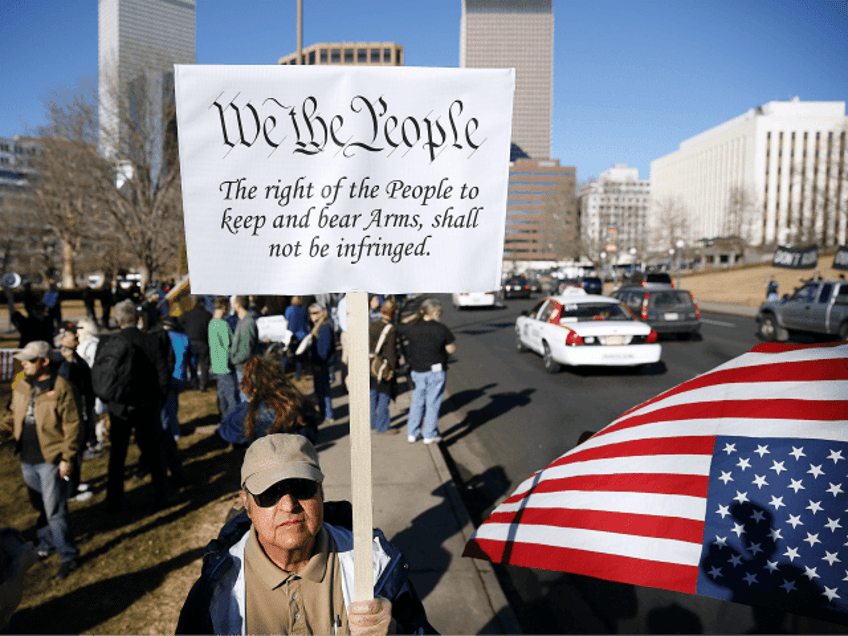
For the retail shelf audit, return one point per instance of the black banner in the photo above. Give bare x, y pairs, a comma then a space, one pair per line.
796, 257
840, 259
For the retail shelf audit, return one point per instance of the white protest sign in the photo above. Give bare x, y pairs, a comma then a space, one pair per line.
317, 179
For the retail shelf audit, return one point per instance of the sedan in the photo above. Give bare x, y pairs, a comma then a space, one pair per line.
516, 288
579, 330
473, 299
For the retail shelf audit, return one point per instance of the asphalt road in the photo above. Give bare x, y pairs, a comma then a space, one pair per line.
511, 418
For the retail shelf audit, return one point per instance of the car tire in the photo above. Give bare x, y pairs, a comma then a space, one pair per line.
551, 365
519, 346
767, 329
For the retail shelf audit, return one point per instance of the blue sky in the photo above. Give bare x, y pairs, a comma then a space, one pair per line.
632, 78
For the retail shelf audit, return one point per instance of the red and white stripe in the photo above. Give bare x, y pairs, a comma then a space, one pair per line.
629, 504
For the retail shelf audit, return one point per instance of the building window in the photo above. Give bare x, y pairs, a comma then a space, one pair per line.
348, 56
375, 56
362, 56
311, 57
387, 56
323, 56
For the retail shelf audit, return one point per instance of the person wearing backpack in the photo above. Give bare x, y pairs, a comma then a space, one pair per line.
137, 363
382, 337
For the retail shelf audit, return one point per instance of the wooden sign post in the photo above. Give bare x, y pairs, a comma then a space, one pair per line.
318, 179
360, 443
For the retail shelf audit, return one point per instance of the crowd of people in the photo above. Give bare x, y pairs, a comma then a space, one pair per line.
75, 375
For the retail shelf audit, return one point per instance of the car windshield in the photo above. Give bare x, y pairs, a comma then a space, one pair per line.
583, 312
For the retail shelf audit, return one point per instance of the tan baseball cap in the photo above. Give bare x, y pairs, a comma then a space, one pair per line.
34, 350
276, 457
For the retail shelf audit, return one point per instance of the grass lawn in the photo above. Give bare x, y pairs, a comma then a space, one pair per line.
135, 567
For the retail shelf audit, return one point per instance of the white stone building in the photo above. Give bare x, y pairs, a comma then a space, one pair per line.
613, 214
776, 174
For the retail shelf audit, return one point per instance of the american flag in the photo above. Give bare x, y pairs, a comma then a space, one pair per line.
732, 485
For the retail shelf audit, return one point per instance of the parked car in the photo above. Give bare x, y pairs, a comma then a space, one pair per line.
516, 287
819, 307
648, 280
585, 329
592, 284
665, 310
473, 299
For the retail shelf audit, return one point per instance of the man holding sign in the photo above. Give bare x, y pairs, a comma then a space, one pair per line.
324, 179
280, 568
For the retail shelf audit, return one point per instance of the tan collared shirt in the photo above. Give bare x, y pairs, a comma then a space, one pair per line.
306, 602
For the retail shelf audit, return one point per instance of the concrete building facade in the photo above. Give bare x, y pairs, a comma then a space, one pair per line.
349, 54
541, 216
516, 34
776, 174
135, 36
614, 213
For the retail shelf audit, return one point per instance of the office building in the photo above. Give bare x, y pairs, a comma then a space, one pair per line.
140, 38
613, 214
350, 53
541, 215
516, 34
776, 174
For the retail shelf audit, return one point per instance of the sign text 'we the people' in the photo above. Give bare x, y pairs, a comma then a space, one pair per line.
368, 124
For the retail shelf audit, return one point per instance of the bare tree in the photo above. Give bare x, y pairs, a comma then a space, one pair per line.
670, 222
558, 228
740, 214
66, 187
139, 137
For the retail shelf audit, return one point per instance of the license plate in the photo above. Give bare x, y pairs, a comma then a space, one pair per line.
672, 317
615, 340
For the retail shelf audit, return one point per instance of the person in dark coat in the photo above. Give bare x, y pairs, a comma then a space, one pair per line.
150, 379
196, 326
36, 324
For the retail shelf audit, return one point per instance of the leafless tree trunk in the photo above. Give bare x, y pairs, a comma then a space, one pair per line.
670, 222
740, 214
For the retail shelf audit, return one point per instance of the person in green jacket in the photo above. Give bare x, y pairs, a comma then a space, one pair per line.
245, 340
220, 339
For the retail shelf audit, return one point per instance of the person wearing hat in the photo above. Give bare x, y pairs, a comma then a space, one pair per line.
285, 564
46, 427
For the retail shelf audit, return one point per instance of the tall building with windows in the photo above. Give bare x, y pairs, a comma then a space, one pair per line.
516, 34
614, 212
541, 214
349, 53
140, 39
776, 174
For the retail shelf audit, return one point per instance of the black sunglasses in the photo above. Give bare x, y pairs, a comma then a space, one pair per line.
297, 488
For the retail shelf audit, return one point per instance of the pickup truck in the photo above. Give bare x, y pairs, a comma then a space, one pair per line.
819, 307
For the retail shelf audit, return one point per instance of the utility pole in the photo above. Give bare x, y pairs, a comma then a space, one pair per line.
300, 31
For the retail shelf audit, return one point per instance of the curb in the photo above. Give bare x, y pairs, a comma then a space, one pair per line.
501, 610
729, 309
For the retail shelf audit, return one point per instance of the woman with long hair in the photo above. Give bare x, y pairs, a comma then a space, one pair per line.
274, 405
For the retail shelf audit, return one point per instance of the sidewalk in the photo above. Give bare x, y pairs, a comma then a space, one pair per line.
418, 507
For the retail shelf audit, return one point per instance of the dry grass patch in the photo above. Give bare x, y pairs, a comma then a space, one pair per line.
136, 567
